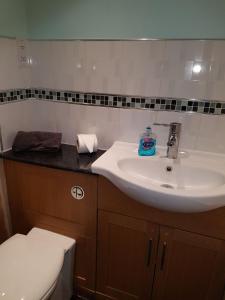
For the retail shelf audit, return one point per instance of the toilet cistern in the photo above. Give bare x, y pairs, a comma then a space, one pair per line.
173, 138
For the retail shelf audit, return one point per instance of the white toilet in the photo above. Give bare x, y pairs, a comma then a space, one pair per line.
37, 266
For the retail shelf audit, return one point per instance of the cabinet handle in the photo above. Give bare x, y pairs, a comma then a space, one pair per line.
163, 256
149, 252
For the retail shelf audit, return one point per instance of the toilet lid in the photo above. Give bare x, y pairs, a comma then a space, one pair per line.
28, 269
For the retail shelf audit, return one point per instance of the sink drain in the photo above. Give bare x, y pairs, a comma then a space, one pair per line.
169, 169
168, 186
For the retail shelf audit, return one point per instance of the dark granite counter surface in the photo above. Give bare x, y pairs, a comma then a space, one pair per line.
66, 159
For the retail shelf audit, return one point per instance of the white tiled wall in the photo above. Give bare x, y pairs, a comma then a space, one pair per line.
13, 116
199, 132
12, 75
157, 68
148, 68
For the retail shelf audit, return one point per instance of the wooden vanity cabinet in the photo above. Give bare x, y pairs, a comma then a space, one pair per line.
41, 197
184, 265
142, 253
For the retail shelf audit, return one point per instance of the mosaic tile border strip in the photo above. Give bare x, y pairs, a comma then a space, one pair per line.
114, 100
14, 95
122, 101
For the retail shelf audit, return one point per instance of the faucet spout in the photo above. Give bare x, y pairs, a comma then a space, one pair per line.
173, 138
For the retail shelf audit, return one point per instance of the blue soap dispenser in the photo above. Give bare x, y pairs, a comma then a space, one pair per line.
147, 143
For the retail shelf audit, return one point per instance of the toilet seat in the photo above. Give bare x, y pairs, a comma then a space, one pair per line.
30, 265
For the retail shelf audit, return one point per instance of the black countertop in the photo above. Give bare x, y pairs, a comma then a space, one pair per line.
66, 159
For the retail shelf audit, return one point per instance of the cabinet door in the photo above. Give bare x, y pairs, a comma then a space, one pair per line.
126, 257
189, 267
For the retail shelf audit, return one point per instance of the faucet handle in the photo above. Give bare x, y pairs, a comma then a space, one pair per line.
171, 125
161, 124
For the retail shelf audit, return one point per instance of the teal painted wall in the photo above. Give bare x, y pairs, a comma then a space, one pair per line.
65, 19
13, 18
69, 19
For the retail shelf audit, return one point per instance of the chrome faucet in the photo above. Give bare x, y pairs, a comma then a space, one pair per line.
173, 138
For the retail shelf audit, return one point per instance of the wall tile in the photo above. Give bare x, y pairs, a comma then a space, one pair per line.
147, 68
14, 117
133, 124
12, 76
211, 134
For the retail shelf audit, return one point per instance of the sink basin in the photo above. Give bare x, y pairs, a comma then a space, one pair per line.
195, 182
164, 173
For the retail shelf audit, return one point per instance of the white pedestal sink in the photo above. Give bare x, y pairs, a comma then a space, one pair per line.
195, 182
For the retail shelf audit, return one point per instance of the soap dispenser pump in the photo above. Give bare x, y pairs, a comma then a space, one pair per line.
147, 143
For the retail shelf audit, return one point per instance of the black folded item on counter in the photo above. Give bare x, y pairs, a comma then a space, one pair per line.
37, 141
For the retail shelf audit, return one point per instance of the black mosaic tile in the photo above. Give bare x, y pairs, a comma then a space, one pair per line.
173, 102
195, 108
14, 95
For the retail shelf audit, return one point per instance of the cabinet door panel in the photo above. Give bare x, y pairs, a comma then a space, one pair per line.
48, 191
126, 256
189, 266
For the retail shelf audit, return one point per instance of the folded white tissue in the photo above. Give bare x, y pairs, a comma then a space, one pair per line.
87, 143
